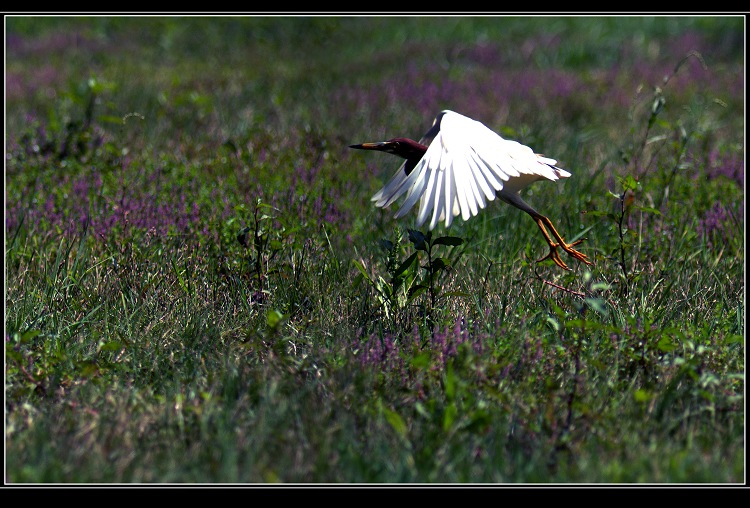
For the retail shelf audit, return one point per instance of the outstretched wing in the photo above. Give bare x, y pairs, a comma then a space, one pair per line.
465, 166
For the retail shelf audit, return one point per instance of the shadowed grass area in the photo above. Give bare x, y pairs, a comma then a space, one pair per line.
199, 290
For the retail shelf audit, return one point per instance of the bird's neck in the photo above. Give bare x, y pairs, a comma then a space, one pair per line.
410, 149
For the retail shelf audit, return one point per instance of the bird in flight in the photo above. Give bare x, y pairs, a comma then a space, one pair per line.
458, 166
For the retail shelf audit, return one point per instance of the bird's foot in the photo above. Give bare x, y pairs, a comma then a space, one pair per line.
555, 256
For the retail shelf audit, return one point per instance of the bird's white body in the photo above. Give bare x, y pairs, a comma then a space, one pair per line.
465, 166
458, 166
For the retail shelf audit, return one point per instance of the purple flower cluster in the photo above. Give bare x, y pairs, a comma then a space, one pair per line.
163, 201
385, 352
44, 76
719, 224
731, 166
501, 88
45, 209
531, 353
322, 205
72, 204
426, 91
381, 352
445, 342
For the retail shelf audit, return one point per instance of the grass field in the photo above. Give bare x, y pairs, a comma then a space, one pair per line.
198, 288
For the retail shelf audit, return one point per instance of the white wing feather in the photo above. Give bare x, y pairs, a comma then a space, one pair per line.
465, 163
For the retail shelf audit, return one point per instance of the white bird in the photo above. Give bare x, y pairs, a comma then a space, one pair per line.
458, 166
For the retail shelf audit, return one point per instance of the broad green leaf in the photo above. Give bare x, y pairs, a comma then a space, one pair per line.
418, 239
361, 267
395, 420
29, 335
111, 346
629, 183
665, 344
449, 416
448, 240
554, 323
440, 264
642, 395
422, 410
274, 318
406, 264
416, 290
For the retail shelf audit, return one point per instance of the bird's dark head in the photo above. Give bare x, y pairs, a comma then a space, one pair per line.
403, 147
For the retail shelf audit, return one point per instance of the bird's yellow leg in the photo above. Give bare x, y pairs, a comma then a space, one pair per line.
553, 254
567, 247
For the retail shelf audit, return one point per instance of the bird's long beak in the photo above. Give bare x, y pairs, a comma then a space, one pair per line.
380, 145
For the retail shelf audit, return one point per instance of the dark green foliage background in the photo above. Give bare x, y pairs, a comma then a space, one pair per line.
199, 290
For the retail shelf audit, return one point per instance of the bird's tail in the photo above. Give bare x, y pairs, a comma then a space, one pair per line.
559, 172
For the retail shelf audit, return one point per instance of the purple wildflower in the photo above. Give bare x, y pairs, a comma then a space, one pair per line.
730, 165
717, 225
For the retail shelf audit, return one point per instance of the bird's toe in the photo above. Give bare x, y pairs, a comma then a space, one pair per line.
555, 257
